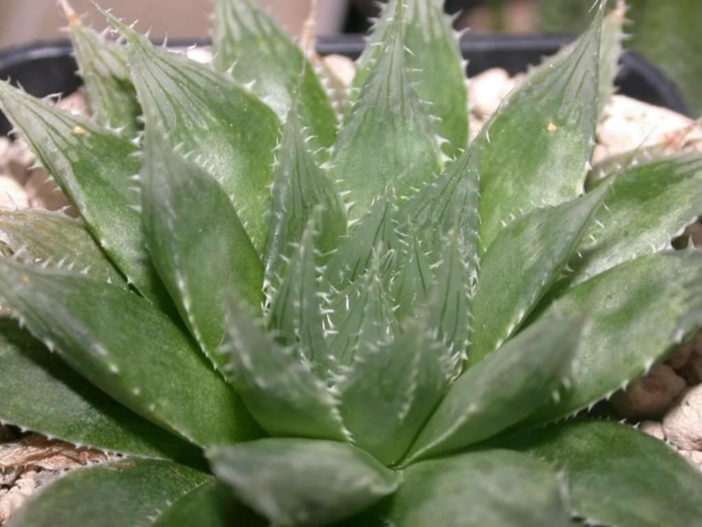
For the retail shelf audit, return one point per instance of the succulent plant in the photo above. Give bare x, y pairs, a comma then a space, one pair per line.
271, 317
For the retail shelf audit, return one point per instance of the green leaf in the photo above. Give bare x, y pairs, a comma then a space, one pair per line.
197, 242
441, 80
40, 393
103, 66
296, 314
129, 349
132, 492
503, 389
522, 264
52, 239
361, 315
219, 125
298, 482
620, 476
388, 137
93, 167
376, 229
434, 58
300, 189
445, 213
610, 53
277, 384
491, 487
391, 389
251, 47
648, 206
209, 505
535, 150
639, 311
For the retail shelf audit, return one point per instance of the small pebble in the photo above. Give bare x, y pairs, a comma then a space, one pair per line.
653, 428
682, 425
649, 396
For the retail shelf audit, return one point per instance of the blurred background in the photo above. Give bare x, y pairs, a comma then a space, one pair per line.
668, 32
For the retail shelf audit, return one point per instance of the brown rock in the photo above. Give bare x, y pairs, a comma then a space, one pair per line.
680, 356
682, 425
650, 396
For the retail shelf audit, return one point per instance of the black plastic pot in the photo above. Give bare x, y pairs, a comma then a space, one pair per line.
44, 68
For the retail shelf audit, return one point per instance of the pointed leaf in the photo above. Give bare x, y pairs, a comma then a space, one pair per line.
522, 264
377, 228
361, 315
300, 188
209, 505
648, 206
446, 215
223, 127
129, 349
296, 314
388, 137
639, 310
40, 393
435, 52
277, 384
391, 389
450, 296
503, 389
251, 47
620, 476
535, 150
491, 487
103, 66
52, 239
610, 53
413, 280
298, 482
197, 242
93, 168
127, 492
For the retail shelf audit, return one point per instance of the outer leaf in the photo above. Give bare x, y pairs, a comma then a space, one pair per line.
54, 240
209, 505
435, 51
435, 59
300, 190
130, 492
224, 128
197, 242
277, 383
250, 46
639, 309
492, 487
41, 393
93, 167
522, 264
298, 482
129, 349
535, 150
390, 390
387, 138
103, 67
619, 476
296, 315
503, 389
610, 52
648, 206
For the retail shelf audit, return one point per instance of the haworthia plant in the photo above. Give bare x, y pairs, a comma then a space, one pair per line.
273, 321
